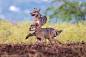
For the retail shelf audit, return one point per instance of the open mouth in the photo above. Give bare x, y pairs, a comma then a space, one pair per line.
32, 14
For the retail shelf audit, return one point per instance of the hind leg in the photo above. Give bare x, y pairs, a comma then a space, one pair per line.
50, 40
54, 40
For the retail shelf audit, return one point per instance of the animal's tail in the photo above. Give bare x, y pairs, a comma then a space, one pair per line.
29, 35
60, 31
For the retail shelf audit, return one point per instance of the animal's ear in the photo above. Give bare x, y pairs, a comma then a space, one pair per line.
38, 11
34, 8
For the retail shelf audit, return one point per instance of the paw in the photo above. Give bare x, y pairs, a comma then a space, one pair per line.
59, 42
26, 37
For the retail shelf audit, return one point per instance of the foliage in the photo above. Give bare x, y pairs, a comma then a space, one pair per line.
67, 10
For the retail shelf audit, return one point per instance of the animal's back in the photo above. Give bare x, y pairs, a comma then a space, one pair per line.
40, 20
43, 19
44, 32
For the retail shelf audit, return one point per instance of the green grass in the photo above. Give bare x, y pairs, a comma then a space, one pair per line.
15, 34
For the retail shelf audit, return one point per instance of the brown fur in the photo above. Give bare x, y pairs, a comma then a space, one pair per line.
39, 19
43, 33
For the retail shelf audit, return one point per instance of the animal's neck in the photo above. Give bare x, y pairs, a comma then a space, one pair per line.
38, 16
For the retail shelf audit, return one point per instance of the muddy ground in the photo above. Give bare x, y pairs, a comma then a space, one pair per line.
42, 50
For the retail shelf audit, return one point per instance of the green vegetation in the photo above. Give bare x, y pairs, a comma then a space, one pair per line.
67, 10
15, 34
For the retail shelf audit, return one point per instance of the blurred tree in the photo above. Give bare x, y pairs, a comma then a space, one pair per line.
67, 10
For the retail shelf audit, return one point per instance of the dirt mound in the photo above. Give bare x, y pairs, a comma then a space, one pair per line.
41, 50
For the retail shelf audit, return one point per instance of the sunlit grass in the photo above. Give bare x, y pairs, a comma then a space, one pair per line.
15, 34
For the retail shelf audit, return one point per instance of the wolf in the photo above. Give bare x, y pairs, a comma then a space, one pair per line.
38, 19
45, 33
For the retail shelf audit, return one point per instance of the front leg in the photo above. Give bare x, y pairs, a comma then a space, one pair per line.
42, 40
36, 41
45, 41
29, 35
30, 28
50, 41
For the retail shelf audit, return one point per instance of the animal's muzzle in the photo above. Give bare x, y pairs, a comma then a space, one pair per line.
32, 14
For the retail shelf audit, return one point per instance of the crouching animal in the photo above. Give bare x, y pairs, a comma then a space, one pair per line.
45, 33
